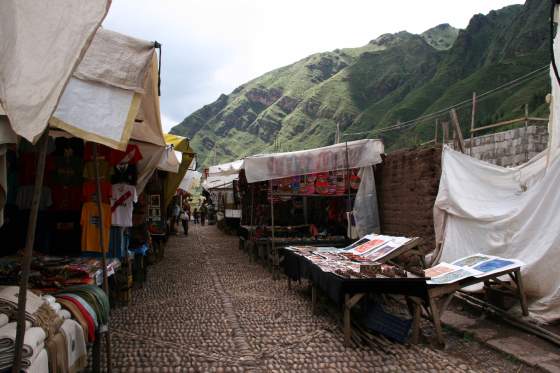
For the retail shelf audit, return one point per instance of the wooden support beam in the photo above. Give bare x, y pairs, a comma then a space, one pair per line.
457, 128
28, 250
104, 253
473, 116
445, 132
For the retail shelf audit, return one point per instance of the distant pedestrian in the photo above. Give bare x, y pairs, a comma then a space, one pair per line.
175, 212
195, 215
203, 212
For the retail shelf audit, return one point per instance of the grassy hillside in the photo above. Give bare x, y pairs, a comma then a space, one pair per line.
396, 77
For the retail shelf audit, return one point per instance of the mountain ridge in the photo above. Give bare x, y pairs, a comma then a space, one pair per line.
394, 77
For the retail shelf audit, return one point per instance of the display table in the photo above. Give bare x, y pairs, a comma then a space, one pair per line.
418, 293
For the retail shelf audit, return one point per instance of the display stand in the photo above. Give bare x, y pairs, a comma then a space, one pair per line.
439, 297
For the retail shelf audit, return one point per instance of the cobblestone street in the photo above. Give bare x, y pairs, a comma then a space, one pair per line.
207, 308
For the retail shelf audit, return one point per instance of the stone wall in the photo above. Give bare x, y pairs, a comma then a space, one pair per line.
512, 147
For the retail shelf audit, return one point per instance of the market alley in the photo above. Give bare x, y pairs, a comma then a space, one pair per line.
207, 307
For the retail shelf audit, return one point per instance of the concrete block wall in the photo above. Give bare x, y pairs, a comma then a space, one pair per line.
512, 147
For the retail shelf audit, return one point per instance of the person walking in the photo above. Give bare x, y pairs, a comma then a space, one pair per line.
174, 219
185, 216
195, 215
203, 212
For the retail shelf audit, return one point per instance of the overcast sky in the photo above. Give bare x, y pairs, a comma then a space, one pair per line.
212, 46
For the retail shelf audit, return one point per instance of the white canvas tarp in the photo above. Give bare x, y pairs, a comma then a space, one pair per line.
103, 97
170, 160
151, 156
41, 43
505, 212
190, 181
360, 153
223, 175
508, 212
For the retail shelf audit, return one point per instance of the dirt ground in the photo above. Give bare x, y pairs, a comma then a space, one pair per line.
207, 308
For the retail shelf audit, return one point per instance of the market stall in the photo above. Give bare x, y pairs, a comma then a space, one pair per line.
378, 264
221, 182
70, 200
323, 196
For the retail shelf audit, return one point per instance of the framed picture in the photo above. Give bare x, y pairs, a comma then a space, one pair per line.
154, 200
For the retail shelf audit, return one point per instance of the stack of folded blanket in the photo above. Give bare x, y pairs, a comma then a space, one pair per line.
33, 347
53, 342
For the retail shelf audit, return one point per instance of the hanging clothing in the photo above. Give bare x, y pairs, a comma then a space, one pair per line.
125, 173
105, 170
68, 170
24, 197
122, 199
90, 226
89, 191
132, 155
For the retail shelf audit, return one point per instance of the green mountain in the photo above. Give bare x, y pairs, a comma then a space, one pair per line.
396, 77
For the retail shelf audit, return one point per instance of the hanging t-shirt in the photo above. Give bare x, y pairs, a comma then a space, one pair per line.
66, 198
102, 152
125, 173
90, 226
24, 198
131, 156
68, 170
122, 200
89, 191
105, 170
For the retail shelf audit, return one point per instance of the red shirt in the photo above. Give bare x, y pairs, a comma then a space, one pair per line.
89, 190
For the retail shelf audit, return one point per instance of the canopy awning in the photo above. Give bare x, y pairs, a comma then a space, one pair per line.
42, 42
112, 95
223, 175
180, 143
352, 154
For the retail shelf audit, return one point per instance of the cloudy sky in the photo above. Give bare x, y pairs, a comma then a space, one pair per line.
212, 46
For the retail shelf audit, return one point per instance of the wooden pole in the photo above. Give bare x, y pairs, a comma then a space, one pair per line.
436, 132
28, 251
445, 132
273, 245
473, 118
457, 128
526, 134
103, 253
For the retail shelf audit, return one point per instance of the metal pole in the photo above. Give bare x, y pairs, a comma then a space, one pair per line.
28, 251
103, 253
473, 116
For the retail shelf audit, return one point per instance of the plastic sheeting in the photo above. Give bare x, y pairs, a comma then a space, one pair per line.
361, 153
366, 213
42, 41
191, 180
506, 212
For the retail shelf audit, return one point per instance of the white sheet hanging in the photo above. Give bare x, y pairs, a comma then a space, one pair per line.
41, 44
509, 212
361, 153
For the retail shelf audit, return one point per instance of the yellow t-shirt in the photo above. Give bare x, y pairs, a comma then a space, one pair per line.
90, 226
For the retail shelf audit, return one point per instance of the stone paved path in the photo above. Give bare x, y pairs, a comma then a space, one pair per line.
207, 308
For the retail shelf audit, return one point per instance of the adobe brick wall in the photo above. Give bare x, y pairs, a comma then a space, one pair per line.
407, 184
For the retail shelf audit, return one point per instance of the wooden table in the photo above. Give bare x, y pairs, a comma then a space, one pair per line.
439, 297
434, 299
